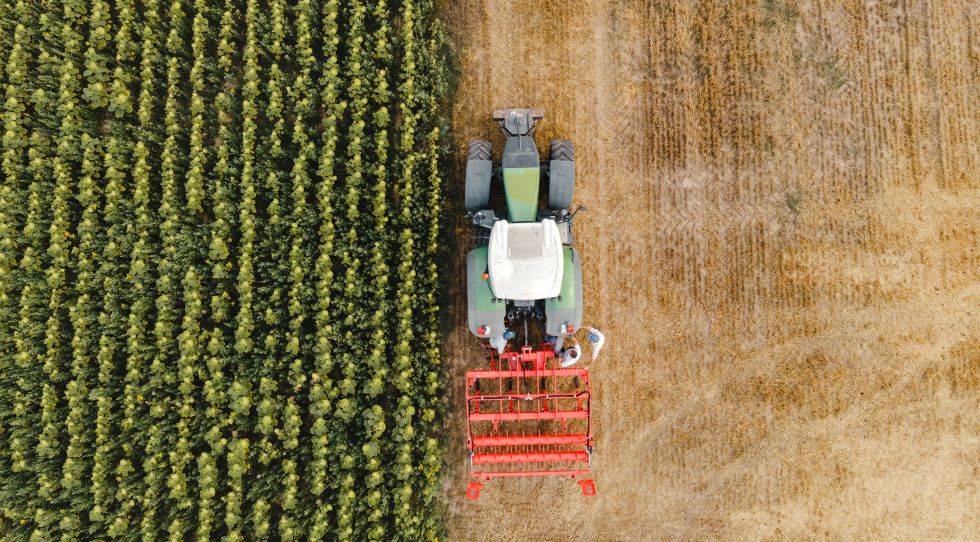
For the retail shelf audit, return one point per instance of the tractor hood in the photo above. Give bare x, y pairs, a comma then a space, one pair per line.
525, 260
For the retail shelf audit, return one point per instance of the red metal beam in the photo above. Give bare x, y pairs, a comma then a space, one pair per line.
486, 475
531, 457
530, 373
528, 396
530, 440
516, 416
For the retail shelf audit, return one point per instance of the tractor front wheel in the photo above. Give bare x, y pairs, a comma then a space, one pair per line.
561, 174
478, 150
562, 149
479, 170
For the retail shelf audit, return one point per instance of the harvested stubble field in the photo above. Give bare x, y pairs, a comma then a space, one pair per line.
782, 248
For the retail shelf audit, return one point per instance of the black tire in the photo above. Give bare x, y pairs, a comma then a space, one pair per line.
562, 149
561, 176
479, 170
478, 150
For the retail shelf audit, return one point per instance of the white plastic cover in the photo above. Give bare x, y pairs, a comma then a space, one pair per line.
525, 260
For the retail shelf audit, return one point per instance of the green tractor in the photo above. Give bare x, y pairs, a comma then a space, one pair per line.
523, 269
530, 412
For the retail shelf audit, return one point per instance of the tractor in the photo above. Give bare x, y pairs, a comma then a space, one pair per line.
529, 413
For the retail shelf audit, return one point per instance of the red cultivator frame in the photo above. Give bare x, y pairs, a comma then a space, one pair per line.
528, 416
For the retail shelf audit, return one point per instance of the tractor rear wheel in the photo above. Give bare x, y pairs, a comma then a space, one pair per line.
479, 170
561, 174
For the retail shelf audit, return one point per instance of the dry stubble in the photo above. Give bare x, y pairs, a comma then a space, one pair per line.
782, 249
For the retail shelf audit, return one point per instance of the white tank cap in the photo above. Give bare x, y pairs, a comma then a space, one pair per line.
596, 339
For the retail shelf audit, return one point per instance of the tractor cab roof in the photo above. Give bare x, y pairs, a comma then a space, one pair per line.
525, 260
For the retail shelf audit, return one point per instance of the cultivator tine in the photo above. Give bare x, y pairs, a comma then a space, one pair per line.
473, 490
588, 488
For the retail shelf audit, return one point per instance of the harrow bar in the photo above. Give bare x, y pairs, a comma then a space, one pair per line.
473, 375
530, 414
530, 440
530, 457
571, 473
516, 416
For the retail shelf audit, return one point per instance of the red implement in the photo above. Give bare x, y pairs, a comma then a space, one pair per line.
528, 416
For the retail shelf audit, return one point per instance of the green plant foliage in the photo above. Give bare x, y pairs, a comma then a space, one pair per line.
219, 291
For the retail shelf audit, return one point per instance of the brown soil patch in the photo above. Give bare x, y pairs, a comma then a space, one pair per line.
782, 248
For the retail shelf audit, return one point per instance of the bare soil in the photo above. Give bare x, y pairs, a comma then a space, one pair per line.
781, 247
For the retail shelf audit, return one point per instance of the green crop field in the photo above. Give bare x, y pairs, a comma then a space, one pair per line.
218, 279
